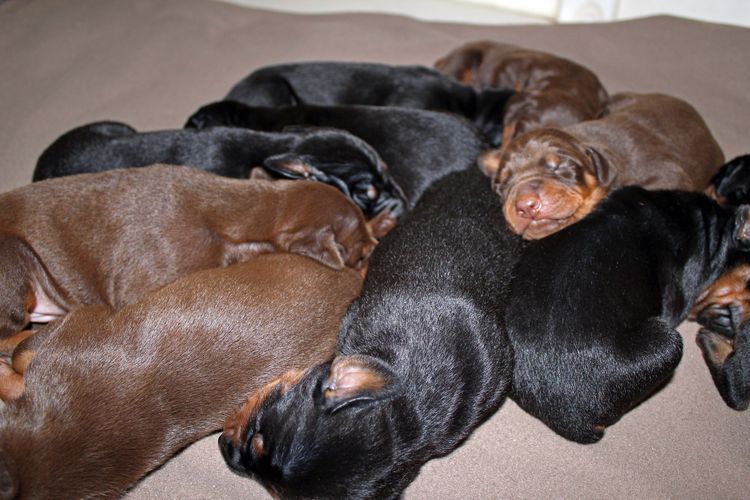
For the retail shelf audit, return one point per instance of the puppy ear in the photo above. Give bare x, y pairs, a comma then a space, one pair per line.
381, 224
289, 165
602, 169
489, 162
318, 243
357, 378
741, 228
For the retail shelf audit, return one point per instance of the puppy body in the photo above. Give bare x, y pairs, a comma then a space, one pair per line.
418, 146
422, 359
109, 237
343, 83
593, 307
109, 395
551, 178
551, 91
229, 152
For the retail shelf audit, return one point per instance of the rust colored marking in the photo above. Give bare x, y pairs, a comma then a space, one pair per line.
235, 426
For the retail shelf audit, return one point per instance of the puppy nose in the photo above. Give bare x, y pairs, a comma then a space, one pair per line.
528, 205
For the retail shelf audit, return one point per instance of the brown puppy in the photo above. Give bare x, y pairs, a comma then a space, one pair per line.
109, 237
550, 91
111, 395
550, 178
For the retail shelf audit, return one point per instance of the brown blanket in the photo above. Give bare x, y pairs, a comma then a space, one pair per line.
153, 62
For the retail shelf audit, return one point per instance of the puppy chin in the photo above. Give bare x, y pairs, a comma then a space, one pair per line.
542, 228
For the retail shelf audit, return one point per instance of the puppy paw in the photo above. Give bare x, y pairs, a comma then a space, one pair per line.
723, 319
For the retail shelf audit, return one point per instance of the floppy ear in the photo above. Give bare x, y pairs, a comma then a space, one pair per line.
741, 228
288, 165
357, 378
381, 224
318, 243
602, 169
489, 162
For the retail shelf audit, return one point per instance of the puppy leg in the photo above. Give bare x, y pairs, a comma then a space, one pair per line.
729, 364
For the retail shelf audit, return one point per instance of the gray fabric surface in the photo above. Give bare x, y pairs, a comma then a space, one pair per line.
152, 62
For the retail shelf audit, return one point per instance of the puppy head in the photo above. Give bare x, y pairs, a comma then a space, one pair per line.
740, 239
731, 184
321, 434
345, 162
325, 225
546, 180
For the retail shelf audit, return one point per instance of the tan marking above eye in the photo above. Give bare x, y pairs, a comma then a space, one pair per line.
552, 160
257, 444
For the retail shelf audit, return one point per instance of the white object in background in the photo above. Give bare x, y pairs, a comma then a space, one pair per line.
542, 8
719, 11
587, 11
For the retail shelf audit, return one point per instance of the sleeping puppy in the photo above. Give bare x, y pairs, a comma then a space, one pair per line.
330, 156
593, 308
418, 146
551, 178
107, 238
724, 307
109, 396
422, 359
725, 304
550, 91
342, 83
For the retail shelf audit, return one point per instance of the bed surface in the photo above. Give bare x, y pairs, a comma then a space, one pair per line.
151, 63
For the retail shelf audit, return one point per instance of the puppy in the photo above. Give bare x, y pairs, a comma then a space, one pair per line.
331, 156
551, 178
728, 360
344, 83
109, 396
725, 304
108, 238
593, 308
418, 146
550, 91
422, 359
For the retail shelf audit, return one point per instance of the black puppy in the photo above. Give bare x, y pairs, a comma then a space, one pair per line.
725, 304
331, 156
728, 360
594, 306
422, 359
418, 146
342, 83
